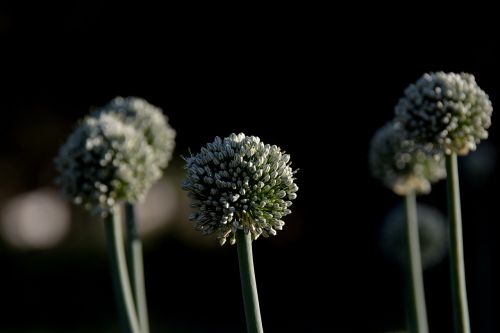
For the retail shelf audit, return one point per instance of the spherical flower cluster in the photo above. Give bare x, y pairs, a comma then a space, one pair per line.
150, 120
445, 111
400, 164
105, 161
433, 235
240, 183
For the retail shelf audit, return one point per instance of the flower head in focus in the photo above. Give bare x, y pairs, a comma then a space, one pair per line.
240, 183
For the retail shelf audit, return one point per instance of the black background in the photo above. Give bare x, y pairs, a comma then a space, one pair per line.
302, 79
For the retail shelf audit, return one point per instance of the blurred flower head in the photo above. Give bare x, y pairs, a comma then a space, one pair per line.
105, 161
445, 111
400, 164
433, 235
148, 119
35, 220
240, 183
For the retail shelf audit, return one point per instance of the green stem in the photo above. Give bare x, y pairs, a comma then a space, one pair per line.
414, 275
123, 293
136, 266
248, 283
458, 289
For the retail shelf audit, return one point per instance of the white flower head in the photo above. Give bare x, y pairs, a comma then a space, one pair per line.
433, 235
105, 161
401, 164
150, 120
240, 183
445, 111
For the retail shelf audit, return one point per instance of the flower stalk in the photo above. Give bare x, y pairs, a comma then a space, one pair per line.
414, 274
136, 266
121, 282
248, 282
458, 286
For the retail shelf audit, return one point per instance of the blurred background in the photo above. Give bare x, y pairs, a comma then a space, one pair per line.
304, 81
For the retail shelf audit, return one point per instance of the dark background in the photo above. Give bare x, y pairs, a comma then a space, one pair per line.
297, 78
